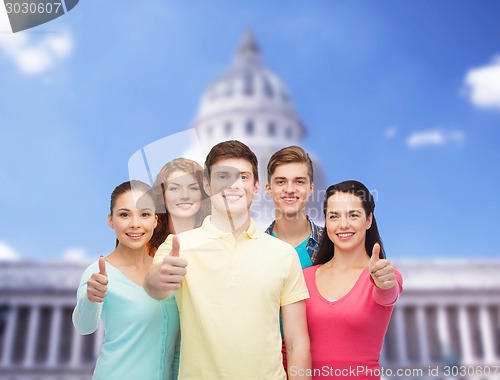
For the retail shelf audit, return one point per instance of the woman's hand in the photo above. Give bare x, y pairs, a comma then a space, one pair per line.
97, 285
381, 270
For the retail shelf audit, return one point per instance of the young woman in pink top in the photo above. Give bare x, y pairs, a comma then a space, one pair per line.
352, 290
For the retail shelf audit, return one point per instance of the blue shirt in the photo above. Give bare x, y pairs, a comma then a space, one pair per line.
308, 249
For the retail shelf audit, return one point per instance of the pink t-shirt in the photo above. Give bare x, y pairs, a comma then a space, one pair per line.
347, 334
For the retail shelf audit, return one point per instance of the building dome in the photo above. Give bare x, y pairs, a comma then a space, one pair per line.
251, 104
248, 102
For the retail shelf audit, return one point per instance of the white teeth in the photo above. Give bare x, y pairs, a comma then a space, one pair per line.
134, 235
345, 235
184, 204
232, 197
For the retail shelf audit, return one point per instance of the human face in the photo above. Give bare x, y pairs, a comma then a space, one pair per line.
133, 219
232, 186
346, 222
182, 195
290, 187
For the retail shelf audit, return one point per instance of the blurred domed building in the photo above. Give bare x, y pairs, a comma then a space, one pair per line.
448, 315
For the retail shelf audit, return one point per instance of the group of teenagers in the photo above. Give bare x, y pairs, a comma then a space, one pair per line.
194, 290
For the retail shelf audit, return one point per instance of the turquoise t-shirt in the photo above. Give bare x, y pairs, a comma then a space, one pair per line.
142, 334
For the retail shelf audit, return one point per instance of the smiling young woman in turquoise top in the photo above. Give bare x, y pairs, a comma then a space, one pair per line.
141, 334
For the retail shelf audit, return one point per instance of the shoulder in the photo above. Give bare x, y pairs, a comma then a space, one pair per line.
264, 238
309, 271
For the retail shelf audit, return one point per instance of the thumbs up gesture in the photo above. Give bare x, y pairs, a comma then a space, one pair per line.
381, 270
173, 268
97, 285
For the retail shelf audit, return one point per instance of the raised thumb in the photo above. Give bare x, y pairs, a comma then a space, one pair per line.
102, 265
176, 246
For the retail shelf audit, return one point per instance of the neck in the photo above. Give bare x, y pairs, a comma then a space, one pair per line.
179, 225
126, 256
349, 259
236, 224
292, 230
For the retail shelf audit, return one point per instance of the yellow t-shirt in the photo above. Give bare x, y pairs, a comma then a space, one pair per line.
229, 302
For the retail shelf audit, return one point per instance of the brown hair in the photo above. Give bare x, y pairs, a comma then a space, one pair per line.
162, 230
289, 155
231, 149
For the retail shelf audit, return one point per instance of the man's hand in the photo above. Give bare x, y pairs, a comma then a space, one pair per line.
168, 275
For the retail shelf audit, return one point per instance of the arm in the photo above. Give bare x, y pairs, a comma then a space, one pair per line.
90, 298
296, 337
168, 270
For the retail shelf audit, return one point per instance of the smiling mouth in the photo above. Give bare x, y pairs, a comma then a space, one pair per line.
184, 205
232, 197
345, 235
135, 236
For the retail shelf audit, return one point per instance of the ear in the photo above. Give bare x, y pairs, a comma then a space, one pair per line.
311, 190
256, 187
369, 221
110, 221
206, 186
156, 220
268, 189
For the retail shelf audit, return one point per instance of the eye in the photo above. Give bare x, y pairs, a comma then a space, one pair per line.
301, 182
145, 214
244, 177
173, 188
123, 215
222, 177
333, 217
194, 188
280, 182
354, 216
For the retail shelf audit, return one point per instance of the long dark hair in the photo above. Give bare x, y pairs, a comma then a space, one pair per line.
326, 247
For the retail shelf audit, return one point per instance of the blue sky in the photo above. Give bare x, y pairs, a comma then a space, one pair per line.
402, 95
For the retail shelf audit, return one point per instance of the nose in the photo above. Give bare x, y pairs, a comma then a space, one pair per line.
184, 193
237, 183
134, 221
289, 187
344, 223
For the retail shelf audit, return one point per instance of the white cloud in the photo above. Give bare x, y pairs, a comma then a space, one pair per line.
483, 85
7, 253
75, 254
33, 53
435, 137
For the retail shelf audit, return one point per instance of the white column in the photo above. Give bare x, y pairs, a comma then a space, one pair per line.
465, 336
55, 336
402, 348
422, 335
485, 324
32, 336
8, 343
76, 348
443, 332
